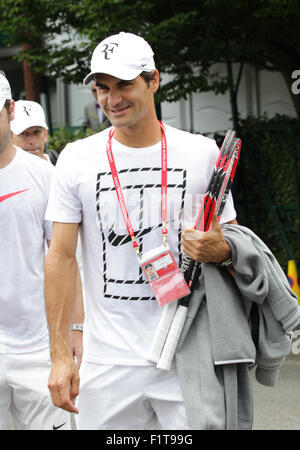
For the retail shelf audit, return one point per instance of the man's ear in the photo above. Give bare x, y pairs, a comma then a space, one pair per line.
155, 82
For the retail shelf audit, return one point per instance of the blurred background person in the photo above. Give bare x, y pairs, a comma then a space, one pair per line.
94, 117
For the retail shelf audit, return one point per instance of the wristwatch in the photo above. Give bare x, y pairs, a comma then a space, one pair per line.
77, 327
226, 264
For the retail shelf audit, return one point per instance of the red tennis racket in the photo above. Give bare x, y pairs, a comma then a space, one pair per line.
169, 329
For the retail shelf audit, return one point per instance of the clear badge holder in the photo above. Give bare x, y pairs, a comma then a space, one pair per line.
164, 275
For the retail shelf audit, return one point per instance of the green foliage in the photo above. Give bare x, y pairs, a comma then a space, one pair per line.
63, 135
274, 144
188, 37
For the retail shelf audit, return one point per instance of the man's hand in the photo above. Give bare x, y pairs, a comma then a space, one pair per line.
209, 246
63, 383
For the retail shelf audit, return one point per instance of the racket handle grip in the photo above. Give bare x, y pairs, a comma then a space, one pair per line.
161, 332
165, 361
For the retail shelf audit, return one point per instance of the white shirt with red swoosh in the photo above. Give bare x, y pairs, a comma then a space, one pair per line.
24, 187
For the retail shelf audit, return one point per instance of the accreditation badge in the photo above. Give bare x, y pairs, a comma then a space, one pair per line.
164, 275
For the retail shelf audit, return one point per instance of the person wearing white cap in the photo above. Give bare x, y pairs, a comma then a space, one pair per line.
24, 338
29, 127
110, 185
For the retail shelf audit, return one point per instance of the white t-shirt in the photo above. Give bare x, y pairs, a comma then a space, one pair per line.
121, 312
24, 187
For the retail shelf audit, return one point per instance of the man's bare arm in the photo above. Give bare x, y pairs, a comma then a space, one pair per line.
61, 270
78, 317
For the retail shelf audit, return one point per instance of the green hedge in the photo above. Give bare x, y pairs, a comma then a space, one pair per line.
63, 135
275, 145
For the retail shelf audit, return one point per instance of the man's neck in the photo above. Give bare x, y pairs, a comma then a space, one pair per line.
139, 137
7, 155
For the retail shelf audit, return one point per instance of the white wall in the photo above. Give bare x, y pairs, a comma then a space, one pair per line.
275, 96
207, 113
79, 96
68, 102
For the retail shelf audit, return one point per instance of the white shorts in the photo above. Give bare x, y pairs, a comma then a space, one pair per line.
24, 393
129, 398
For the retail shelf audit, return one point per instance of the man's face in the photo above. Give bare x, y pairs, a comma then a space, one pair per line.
32, 140
5, 118
125, 103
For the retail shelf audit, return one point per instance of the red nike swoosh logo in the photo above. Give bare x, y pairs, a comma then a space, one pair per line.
5, 197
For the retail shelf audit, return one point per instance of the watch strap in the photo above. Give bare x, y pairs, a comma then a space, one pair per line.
226, 264
77, 327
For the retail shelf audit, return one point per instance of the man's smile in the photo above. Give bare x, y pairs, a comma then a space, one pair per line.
118, 111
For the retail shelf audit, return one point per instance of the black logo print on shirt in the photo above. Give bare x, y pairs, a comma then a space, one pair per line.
116, 243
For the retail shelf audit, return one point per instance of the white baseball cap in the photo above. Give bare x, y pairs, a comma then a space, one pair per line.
5, 92
27, 114
123, 55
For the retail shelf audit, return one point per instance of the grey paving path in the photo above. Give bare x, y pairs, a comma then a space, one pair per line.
278, 408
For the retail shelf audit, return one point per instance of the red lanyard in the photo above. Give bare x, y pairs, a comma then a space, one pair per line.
164, 171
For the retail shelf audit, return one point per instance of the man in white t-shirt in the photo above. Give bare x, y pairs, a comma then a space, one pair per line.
24, 338
30, 132
120, 388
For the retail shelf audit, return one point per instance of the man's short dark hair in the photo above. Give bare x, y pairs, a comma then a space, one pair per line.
148, 76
